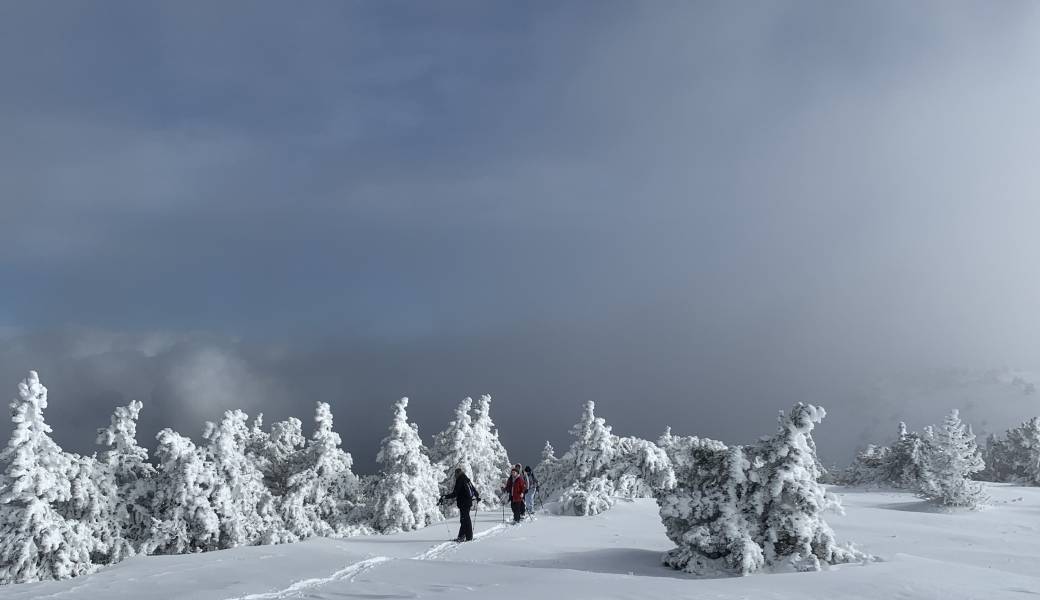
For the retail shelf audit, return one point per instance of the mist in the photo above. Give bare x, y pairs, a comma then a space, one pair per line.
695, 214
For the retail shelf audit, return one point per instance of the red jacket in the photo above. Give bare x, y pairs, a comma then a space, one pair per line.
519, 488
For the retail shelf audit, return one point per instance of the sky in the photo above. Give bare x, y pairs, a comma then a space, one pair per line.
693, 213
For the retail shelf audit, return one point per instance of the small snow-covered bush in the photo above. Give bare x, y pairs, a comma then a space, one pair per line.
587, 498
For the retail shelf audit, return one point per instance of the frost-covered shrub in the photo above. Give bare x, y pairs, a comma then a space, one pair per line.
587, 498
632, 467
639, 468
906, 465
900, 465
406, 495
951, 457
870, 467
1016, 457
36, 540
741, 509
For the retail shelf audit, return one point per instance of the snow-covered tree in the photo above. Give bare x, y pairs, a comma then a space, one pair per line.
323, 494
186, 520
488, 459
708, 515
550, 471
600, 466
453, 447
1016, 457
245, 508
905, 464
92, 511
900, 465
406, 495
132, 478
594, 447
951, 457
639, 468
792, 499
36, 541
279, 454
744, 508
870, 466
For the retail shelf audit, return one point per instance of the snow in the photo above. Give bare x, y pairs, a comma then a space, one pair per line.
925, 553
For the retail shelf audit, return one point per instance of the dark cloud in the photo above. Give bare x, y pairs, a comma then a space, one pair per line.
692, 213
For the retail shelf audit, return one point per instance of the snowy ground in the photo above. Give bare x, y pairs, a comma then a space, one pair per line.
988, 555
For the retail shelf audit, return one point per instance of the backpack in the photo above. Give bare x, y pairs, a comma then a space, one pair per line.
473, 493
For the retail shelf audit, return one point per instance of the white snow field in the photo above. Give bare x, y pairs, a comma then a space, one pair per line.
988, 554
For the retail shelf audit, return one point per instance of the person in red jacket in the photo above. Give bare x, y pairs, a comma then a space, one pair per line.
516, 487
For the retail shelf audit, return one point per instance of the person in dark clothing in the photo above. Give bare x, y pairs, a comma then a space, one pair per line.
465, 495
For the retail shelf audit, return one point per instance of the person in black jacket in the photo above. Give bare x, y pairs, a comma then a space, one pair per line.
465, 495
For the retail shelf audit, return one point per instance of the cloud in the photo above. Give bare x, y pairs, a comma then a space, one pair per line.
710, 211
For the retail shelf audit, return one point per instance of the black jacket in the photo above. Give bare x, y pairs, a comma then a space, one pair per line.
462, 495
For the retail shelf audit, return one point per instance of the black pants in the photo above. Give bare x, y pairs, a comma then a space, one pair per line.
465, 524
518, 511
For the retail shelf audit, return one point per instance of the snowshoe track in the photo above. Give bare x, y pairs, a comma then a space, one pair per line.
349, 573
444, 547
352, 570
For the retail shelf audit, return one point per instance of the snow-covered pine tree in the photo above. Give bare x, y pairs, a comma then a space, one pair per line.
600, 466
666, 439
792, 500
406, 495
870, 466
92, 510
904, 466
185, 519
280, 454
133, 477
994, 454
245, 508
549, 471
323, 494
582, 485
452, 448
36, 541
595, 446
950, 458
487, 456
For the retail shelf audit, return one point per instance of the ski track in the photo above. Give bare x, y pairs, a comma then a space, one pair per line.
354, 569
